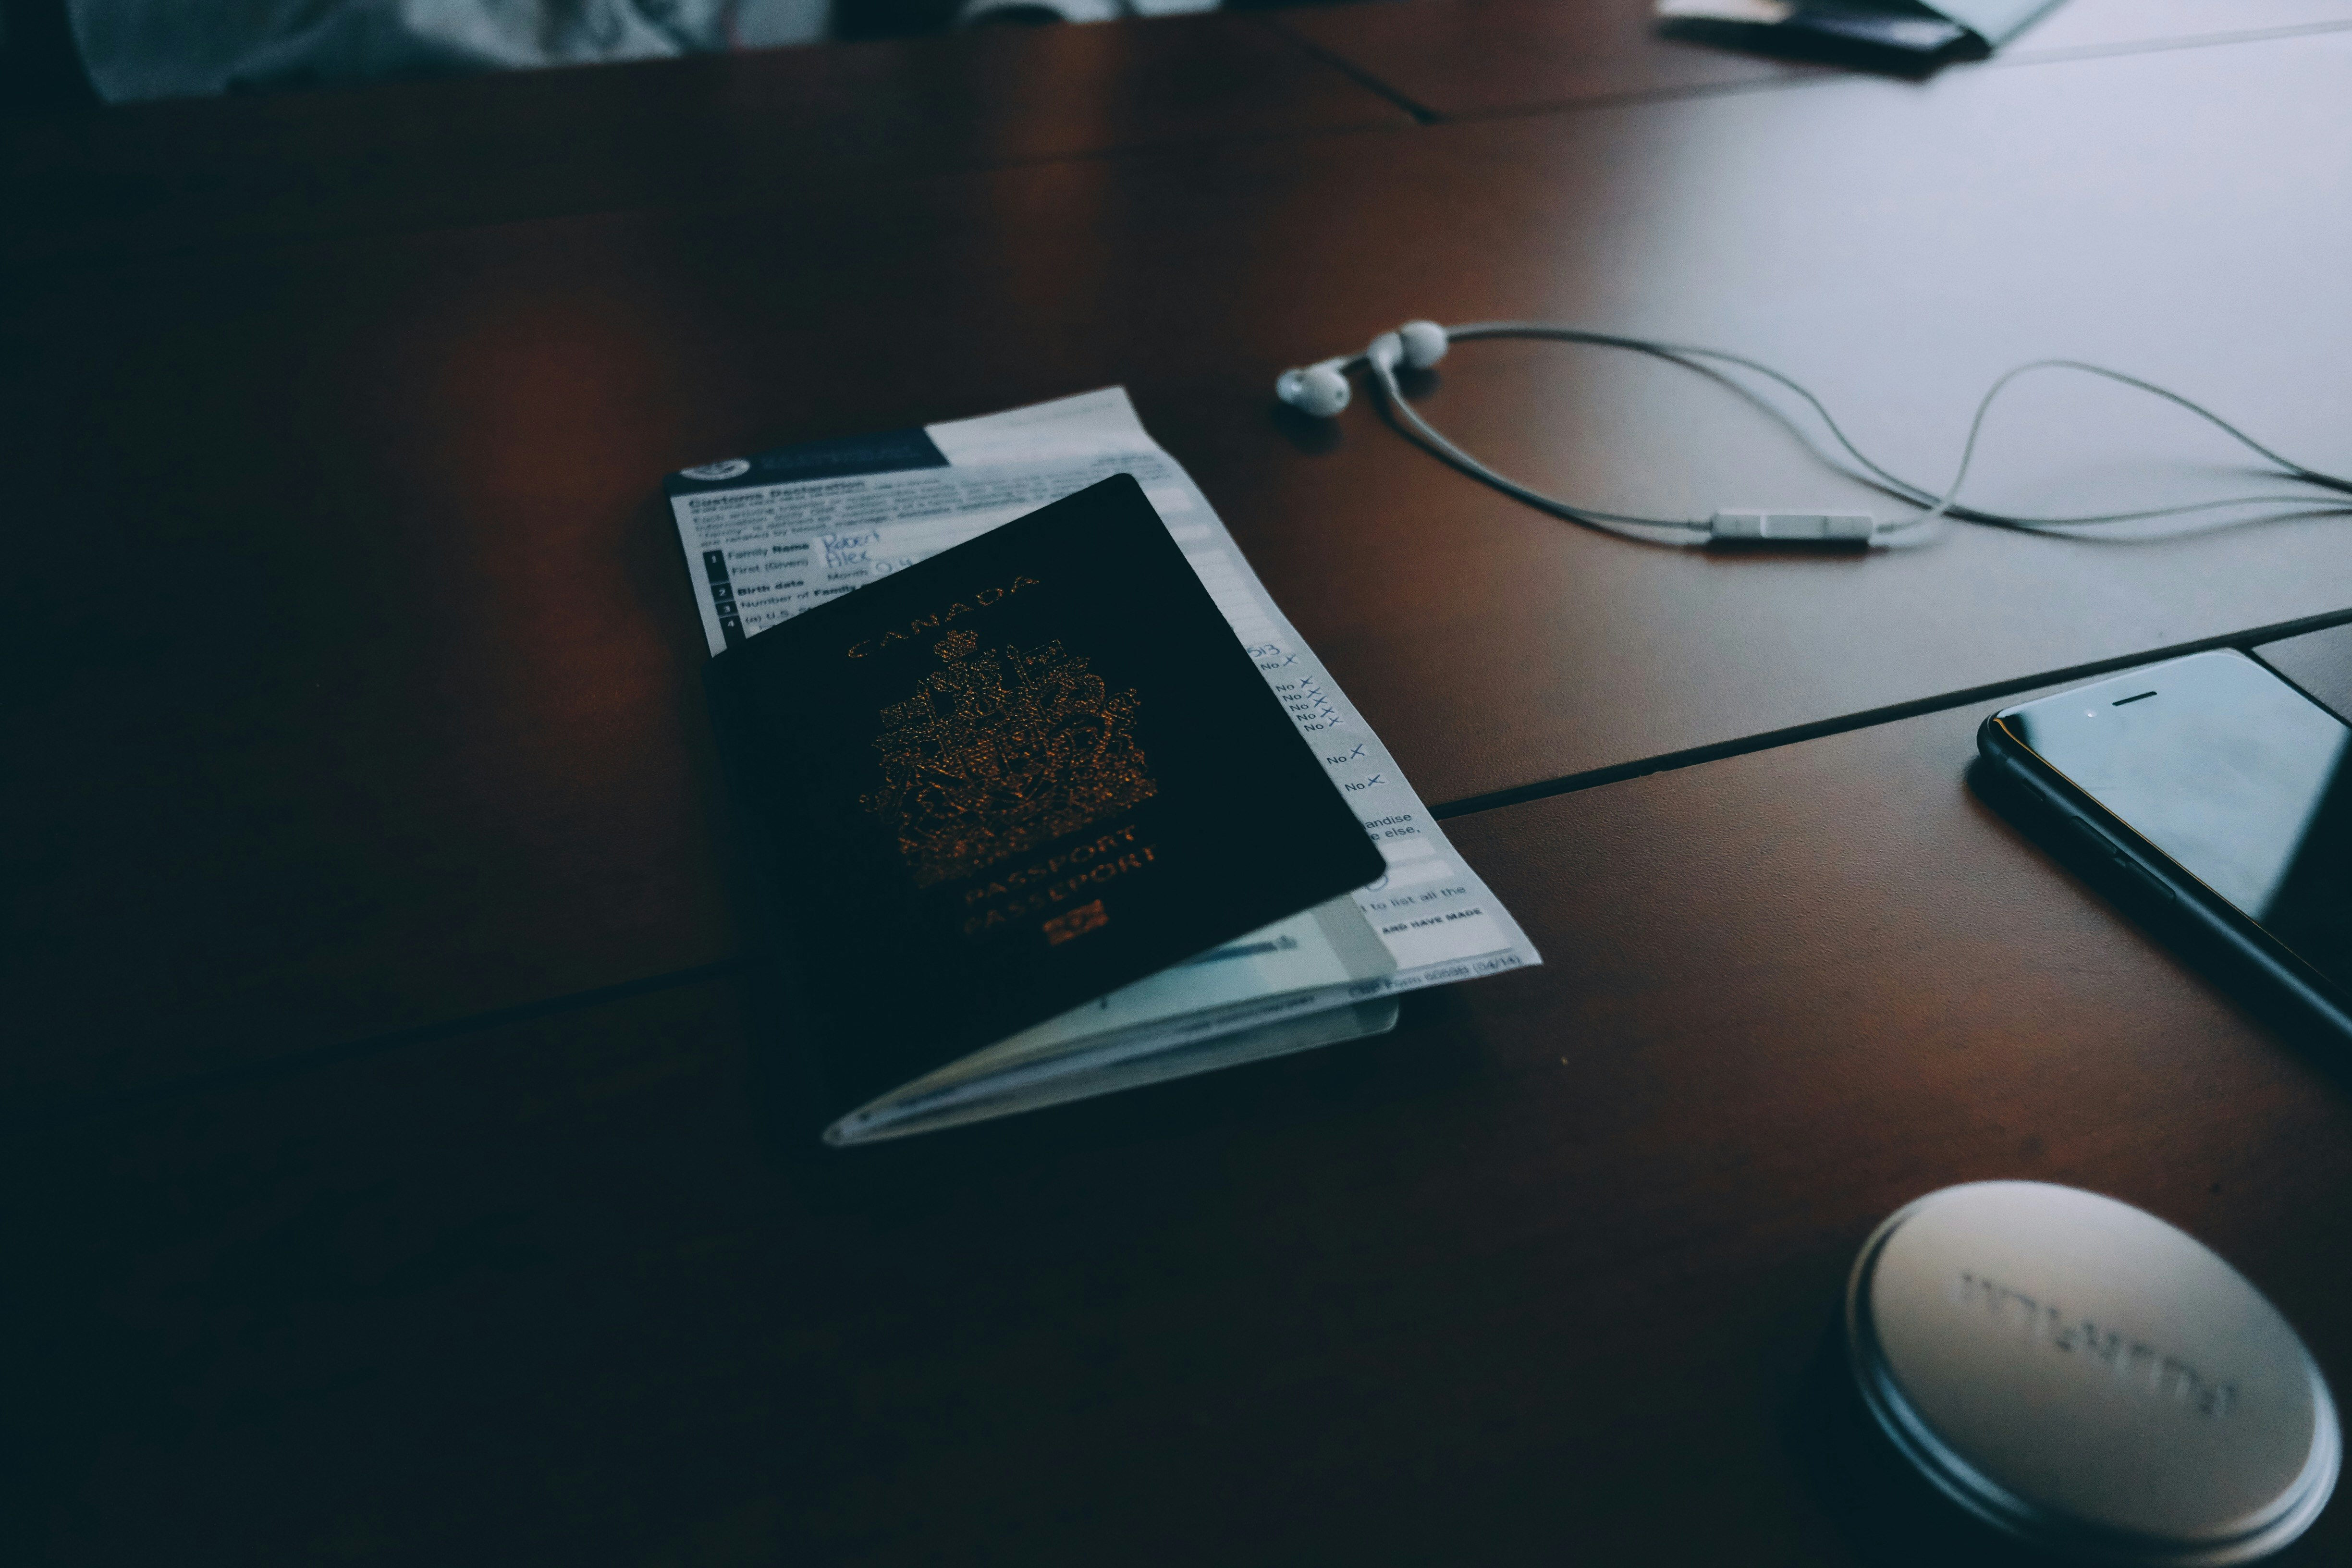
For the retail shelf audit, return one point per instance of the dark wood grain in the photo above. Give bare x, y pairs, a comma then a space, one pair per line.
2320, 662
1538, 1278
1461, 57
758, 126
356, 681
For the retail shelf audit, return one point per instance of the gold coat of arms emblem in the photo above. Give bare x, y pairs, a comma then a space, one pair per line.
999, 751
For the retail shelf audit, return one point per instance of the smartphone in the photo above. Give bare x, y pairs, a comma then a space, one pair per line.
2215, 797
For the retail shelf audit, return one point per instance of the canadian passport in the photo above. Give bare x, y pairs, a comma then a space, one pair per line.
1013, 778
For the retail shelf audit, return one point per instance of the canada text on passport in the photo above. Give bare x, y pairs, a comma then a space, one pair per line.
939, 618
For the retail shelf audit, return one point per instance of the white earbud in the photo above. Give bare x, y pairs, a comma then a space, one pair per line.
1322, 389
1424, 343
1319, 389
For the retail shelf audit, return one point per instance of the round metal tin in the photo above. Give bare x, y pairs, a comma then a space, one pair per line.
2087, 1379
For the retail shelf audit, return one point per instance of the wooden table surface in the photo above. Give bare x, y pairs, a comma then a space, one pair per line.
365, 669
1539, 1278
392, 1131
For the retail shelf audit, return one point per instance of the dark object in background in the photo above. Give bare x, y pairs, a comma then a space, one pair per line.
40, 67
1900, 35
857, 20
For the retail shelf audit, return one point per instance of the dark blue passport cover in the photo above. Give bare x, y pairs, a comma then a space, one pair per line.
1013, 778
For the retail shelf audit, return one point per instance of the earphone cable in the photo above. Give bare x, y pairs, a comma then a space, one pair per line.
2292, 470
1618, 523
1936, 506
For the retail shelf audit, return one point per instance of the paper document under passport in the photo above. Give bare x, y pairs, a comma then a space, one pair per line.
770, 537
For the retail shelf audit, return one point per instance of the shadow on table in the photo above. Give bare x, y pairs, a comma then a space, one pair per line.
985, 1164
1884, 1512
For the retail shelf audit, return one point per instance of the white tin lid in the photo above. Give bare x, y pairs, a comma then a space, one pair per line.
2087, 1378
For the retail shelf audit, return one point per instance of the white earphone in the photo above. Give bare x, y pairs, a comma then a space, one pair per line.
1318, 389
1321, 390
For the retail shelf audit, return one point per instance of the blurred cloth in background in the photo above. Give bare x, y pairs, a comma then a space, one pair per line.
173, 48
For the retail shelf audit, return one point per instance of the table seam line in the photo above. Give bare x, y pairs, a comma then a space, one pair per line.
1869, 717
1812, 76
76, 1110
1422, 114
2163, 46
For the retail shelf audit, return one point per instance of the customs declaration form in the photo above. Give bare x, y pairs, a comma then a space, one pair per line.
767, 538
